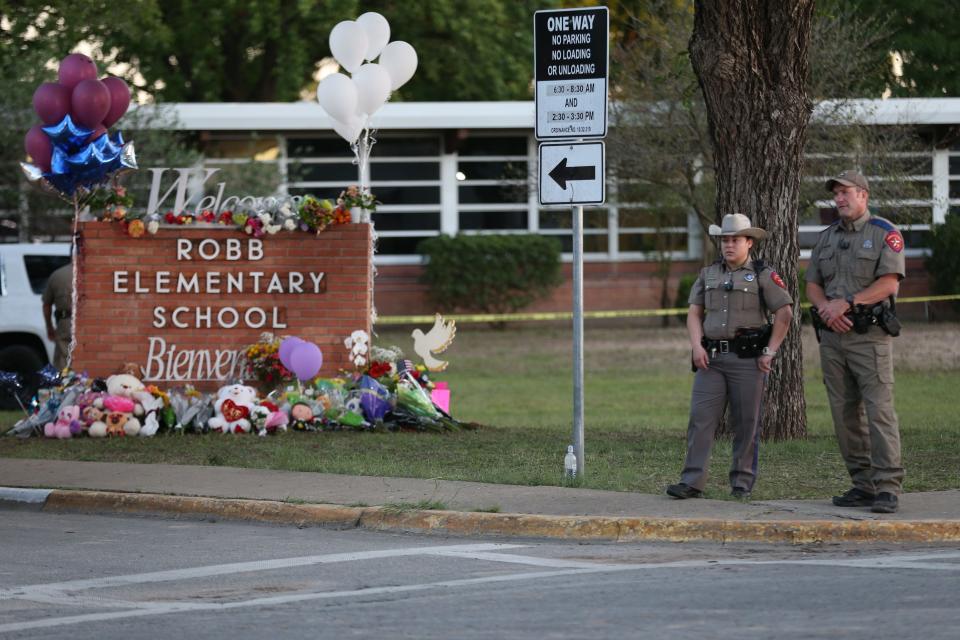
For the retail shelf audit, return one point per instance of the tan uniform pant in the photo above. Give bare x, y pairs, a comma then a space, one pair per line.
739, 382
61, 349
858, 374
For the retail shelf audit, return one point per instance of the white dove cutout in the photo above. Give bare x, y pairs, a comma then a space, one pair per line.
434, 341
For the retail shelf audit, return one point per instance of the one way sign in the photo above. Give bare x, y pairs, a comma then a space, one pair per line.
572, 173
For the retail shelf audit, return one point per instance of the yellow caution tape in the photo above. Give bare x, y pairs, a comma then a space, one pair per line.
589, 315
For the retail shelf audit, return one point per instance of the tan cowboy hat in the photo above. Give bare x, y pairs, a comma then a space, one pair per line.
737, 224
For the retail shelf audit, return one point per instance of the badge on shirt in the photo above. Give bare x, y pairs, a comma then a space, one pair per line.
868, 244
777, 280
895, 241
748, 277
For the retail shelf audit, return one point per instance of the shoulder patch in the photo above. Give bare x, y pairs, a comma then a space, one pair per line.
886, 225
894, 240
777, 280
830, 226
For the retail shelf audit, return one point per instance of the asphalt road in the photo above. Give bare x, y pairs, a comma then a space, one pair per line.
84, 576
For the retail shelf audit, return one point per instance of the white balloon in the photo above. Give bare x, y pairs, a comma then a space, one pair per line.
378, 33
400, 61
348, 44
338, 96
349, 130
373, 87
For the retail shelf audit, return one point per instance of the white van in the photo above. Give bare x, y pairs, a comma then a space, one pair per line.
24, 270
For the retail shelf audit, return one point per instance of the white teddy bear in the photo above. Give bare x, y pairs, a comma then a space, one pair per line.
234, 407
124, 403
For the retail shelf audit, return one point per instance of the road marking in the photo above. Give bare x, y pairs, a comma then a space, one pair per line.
28, 496
236, 567
59, 593
152, 609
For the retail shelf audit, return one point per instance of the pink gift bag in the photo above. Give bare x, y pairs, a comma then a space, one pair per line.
441, 396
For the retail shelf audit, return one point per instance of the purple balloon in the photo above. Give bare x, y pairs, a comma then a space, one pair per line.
286, 348
89, 103
76, 68
38, 147
51, 101
306, 361
119, 99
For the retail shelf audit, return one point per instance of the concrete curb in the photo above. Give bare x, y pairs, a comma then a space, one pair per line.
598, 528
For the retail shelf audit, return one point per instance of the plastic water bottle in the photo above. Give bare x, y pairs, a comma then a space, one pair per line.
570, 464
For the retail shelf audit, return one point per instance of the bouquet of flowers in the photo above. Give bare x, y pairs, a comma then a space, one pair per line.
317, 215
352, 197
263, 363
113, 202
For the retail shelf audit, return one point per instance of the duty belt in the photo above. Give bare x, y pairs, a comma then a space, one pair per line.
716, 346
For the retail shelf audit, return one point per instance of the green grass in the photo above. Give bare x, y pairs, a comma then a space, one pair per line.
420, 505
519, 383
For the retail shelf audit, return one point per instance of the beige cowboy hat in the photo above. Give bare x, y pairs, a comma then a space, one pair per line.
737, 224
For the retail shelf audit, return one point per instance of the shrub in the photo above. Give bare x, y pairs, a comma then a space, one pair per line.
682, 300
490, 274
943, 265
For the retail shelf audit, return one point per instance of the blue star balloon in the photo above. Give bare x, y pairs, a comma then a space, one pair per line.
67, 135
48, 376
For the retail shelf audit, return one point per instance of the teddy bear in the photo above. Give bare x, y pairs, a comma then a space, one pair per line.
233, 409
125, 394
67, 423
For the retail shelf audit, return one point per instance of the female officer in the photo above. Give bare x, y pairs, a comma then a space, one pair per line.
733, 350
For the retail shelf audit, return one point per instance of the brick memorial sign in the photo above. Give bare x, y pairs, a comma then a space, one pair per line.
183, 304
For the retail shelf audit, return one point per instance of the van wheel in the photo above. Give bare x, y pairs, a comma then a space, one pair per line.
25, 361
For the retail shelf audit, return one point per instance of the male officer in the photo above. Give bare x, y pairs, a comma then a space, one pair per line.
854, 274
58, 304
733, 347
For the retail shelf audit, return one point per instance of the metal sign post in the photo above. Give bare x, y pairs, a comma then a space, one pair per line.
578, 336
571, 58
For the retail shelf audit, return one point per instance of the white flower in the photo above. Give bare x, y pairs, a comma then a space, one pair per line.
152, 227
359, 361
285, 209
271, 228
265, 218
289, 224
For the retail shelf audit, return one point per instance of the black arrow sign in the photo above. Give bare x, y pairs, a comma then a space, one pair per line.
561, 173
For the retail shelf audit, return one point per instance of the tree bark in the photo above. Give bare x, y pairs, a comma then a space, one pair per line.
751, 58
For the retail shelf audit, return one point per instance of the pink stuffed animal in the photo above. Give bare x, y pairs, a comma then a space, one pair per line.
67, 424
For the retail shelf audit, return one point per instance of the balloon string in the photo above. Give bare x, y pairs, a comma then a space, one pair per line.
74, 277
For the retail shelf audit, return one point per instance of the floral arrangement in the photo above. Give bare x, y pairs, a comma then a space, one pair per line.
306, 214
111, 204
352, 197
317, 215
263, 363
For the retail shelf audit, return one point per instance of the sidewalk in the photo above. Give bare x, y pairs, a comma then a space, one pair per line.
475, 508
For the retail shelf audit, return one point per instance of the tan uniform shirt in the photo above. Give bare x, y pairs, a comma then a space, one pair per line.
849, 257
732, 298
58, 291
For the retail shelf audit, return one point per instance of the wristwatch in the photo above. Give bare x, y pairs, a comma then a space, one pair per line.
849, 299
767, 351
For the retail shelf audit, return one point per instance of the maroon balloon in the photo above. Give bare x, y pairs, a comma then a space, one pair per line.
38, 147
119, 99
76, 68
51, 101
89, 103
99, 131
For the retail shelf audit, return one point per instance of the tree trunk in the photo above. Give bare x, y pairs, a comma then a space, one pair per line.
751, 58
